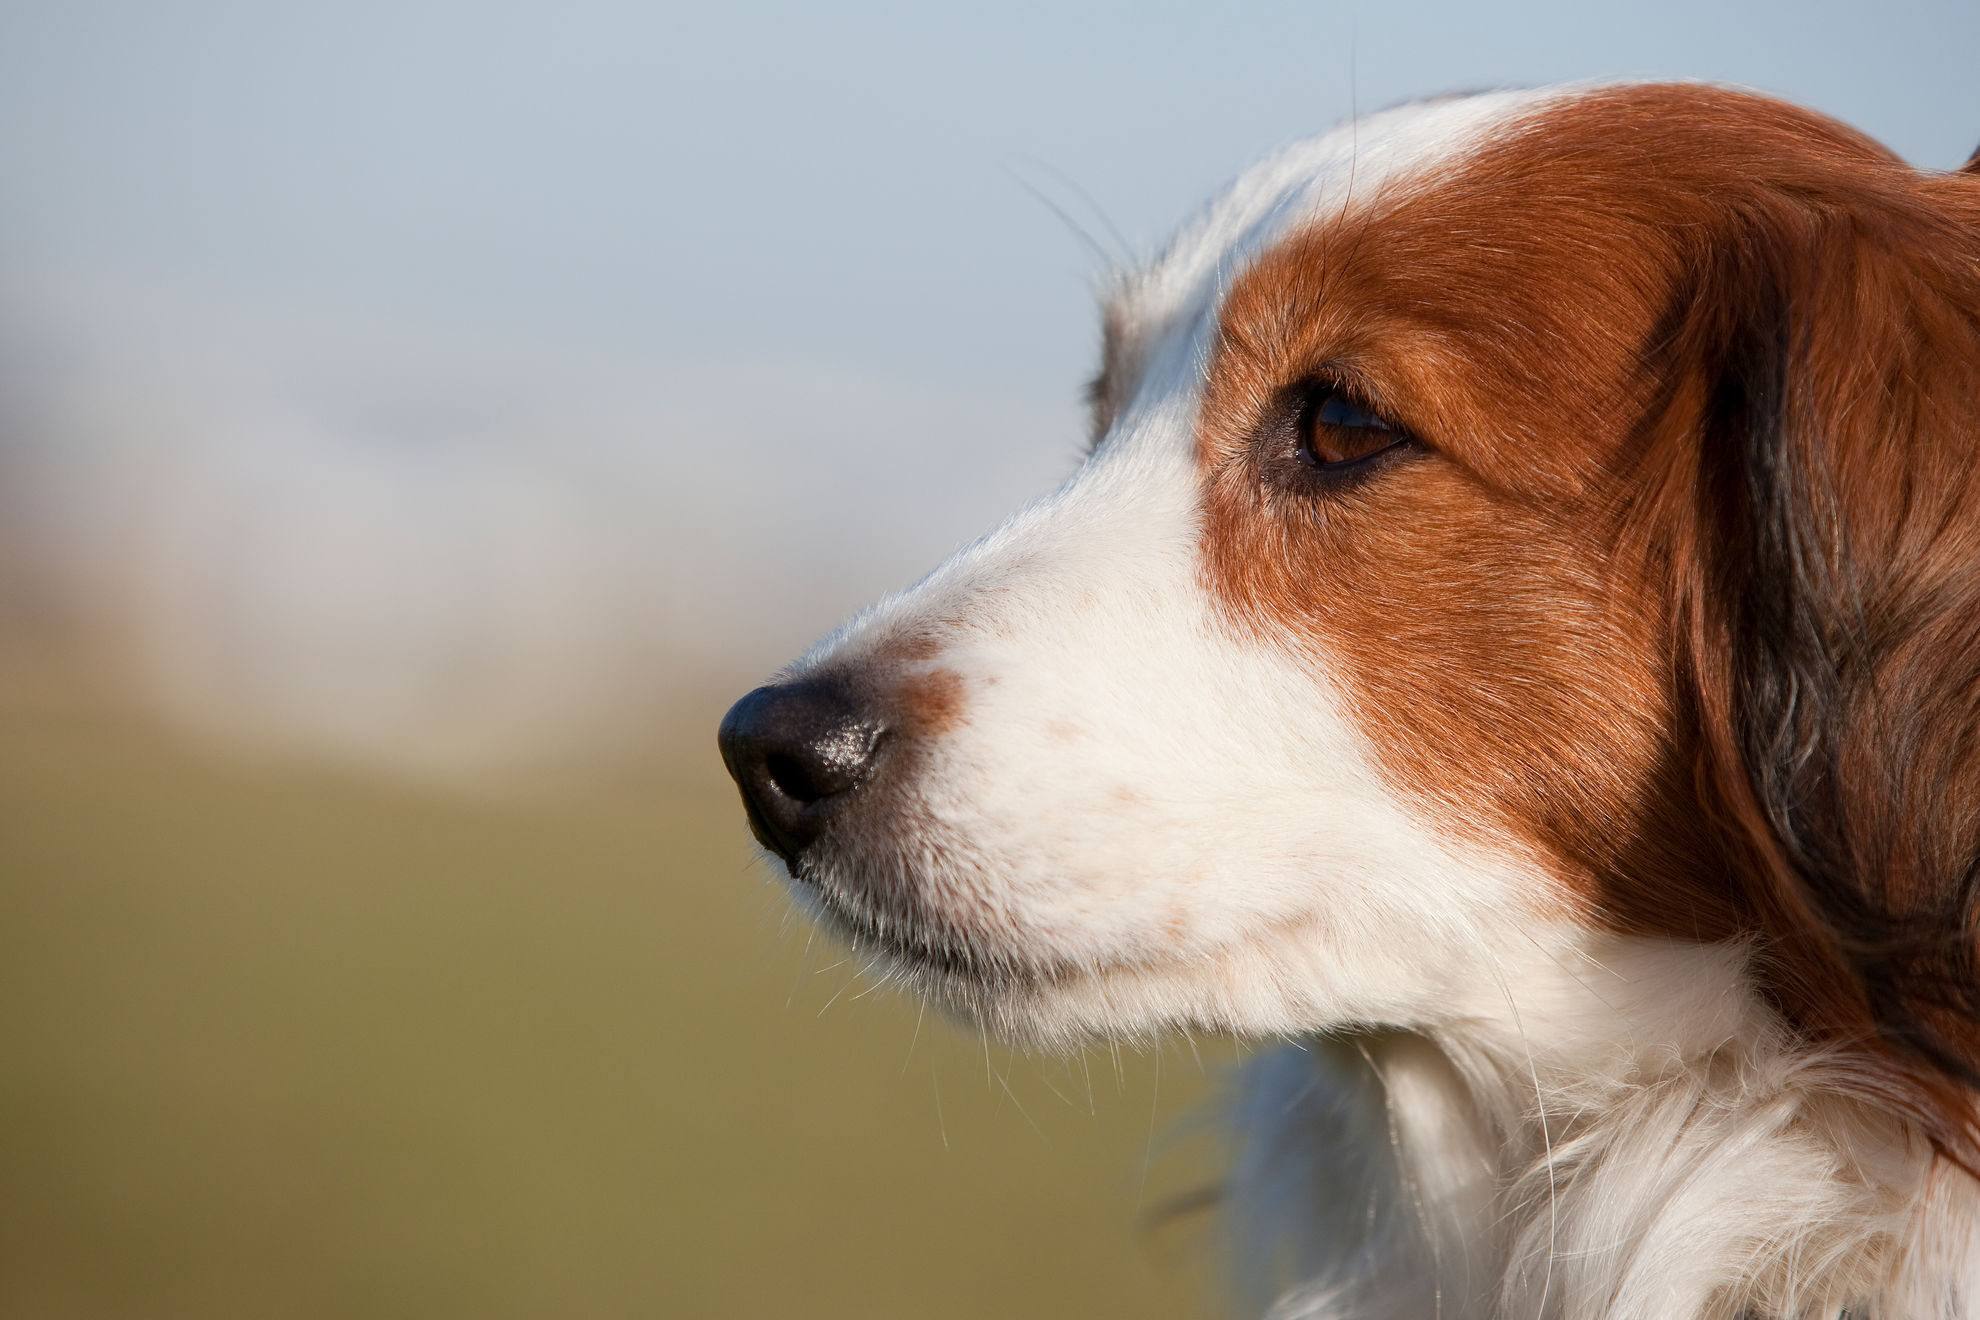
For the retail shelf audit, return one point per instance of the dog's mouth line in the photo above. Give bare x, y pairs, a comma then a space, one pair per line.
942, 954
949, 957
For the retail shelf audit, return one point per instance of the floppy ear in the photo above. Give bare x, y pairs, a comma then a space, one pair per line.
1829, 617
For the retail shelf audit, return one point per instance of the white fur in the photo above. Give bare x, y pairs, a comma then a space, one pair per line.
1646, 1149
1149, 821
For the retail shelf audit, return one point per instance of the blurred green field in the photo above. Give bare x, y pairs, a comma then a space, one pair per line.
283, 1043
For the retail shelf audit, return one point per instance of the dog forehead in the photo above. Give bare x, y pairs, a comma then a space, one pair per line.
1312, 180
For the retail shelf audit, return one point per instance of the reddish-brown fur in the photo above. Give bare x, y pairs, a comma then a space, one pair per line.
930, 702
1581, 616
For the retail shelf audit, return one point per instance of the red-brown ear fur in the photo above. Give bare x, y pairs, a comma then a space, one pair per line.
1827, 609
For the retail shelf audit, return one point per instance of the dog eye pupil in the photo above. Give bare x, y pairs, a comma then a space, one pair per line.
1337, 411
1337, 431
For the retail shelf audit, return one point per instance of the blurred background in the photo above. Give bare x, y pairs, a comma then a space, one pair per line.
417, 421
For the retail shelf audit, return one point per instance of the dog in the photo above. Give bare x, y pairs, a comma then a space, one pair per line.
1515, 639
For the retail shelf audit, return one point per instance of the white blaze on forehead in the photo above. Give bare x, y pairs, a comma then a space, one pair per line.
1315, 180
1179, 823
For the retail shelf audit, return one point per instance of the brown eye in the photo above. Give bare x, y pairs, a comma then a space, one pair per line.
1336, 432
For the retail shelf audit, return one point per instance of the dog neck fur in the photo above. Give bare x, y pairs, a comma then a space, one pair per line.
1626, 1135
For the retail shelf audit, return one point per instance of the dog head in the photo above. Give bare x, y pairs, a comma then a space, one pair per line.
1511, 519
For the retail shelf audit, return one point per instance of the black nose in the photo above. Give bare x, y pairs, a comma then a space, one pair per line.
797, 751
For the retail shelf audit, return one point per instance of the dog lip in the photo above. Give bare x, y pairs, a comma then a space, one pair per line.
766, 835
950, 956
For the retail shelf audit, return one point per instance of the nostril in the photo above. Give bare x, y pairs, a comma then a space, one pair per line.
829, 763
792, 779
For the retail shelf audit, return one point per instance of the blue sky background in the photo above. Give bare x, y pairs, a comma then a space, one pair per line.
819, 181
